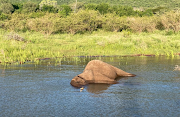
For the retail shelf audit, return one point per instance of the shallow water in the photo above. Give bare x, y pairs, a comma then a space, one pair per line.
44, 89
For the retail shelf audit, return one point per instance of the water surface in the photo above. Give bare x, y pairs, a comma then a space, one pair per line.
44, 89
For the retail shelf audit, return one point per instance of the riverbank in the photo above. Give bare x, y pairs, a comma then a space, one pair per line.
32, 46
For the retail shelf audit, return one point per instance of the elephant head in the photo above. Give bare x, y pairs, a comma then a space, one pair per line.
78, 81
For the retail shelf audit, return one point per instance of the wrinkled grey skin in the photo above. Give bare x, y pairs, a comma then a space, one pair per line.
97, 71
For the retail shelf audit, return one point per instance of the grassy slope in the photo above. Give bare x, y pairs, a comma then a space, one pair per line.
133, 3
98, 43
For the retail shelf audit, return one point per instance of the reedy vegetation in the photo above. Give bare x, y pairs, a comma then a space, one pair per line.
34, 45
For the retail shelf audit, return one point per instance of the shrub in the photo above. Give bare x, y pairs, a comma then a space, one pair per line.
171, 21
90, 6
16, 23
147, 12
77, 6
4, 1
36, 14
4, 17
46, 24
50, 9
103, 8
65, 10
142, 24
18, 7
114, 23
29, 7
6, 8
84, 20
48, 3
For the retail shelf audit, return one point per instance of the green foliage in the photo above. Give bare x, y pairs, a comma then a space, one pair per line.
123, 10
50, 9
29, 7
36, 14
65, 10
16, 23
4, 17
76, 7
90, 6
82, 21
147, 12
48, 3
103, 8
46, 24
114, 23
3, 1
18, 7
6, 8
118, 10
170, 21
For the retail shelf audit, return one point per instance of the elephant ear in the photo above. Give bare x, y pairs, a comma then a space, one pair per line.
87, 75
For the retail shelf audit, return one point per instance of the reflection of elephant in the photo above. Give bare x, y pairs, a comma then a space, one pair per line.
97, 88
97, 71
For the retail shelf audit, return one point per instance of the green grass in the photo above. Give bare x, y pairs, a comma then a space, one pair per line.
100, 43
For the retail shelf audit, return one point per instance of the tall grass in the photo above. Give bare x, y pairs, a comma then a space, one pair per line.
100, 43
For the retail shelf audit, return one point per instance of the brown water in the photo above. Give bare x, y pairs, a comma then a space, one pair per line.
44, 89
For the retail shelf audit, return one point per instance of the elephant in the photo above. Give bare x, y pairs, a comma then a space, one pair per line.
97, 71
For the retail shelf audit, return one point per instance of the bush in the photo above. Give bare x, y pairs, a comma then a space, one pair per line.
36, 14
103, 8
114, 23
29, 7
90, 6
18, 7
48, 3
170, 21
65, 10
16, 23
77, 7
4, 17
84, 20
3, 1
50, 9
6, 8
147, 12
47, 24
142, 24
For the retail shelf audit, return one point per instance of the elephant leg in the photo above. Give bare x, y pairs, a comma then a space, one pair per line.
120, 72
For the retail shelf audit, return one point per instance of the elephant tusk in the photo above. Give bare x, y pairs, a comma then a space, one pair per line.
81, 89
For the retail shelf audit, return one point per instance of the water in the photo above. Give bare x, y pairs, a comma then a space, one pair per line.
44, 89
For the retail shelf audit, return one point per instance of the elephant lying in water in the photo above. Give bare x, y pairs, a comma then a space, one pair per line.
97, 71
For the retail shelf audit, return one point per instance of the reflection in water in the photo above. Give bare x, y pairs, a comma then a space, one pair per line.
97, 88
44, 89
